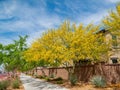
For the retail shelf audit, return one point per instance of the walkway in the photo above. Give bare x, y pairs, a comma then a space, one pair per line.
30, 83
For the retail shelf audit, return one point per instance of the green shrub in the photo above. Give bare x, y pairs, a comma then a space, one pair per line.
98, 81
58, 79
52, 76
47, 79
59, 82
42, 77
16, 84
73, 79
4, 84
38, 76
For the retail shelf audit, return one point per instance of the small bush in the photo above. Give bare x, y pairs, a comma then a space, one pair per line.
38, 76
59, 82
4, 85
73, 79
98, 81
47, 79
42, 77
52, 76
58, 79
16, 84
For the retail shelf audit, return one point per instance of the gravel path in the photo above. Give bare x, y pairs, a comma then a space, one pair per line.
30, 83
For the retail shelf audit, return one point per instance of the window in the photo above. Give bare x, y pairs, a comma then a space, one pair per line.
114, 60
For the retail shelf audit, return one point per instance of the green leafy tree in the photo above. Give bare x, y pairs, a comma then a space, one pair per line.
1, 54
13, 54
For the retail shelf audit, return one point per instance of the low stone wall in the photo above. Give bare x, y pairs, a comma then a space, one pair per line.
111, 72
57, 72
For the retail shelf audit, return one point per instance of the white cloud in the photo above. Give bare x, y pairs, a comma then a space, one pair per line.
30, 21
113, 1
74, 6
35, 20
11, 7
7, 9
93, 17
33, 36
5, 40
49, 22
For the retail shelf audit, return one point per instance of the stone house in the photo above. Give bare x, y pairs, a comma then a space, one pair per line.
114, 52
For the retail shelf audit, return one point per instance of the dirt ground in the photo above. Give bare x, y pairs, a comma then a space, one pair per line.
89, 87
86, 86
21, 88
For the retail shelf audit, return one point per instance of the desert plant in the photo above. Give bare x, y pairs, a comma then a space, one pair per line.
73, 79
58, 79
37, 76
98, 81
52, 76
4, 84
47, 79
41, 76
15, 83
59, 82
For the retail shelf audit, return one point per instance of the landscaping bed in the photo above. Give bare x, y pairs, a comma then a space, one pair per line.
11, 84
80, 85
87, 86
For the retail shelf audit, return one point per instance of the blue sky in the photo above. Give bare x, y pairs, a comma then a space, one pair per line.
32, 17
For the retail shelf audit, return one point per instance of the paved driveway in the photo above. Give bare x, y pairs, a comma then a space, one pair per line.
30, 83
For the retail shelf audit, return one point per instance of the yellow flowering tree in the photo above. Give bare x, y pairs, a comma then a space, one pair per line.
112, 21
112, 24
67, 45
